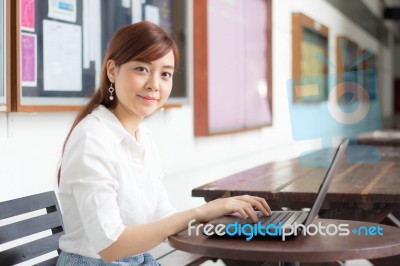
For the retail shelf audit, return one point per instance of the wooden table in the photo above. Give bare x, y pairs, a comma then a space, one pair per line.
380, 138
360, 191
316, 248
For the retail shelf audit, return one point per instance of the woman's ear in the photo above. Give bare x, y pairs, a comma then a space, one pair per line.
111, 70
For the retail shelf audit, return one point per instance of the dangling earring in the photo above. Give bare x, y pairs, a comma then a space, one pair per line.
111, 90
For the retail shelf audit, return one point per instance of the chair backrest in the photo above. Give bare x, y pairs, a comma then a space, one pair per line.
51, 220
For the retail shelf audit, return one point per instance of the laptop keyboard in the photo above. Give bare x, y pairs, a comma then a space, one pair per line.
276, 217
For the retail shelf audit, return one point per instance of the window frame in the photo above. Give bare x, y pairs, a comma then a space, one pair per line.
23, 103
300, 22
201, 87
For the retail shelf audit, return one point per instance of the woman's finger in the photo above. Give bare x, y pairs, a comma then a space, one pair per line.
243, 213
251, 213
257, 202
264, 204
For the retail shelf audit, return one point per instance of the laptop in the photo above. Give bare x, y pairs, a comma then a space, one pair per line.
279, 220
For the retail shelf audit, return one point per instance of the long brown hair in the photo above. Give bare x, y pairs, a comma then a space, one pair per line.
142, 41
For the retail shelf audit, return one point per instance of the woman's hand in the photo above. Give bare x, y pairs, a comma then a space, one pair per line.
242, 204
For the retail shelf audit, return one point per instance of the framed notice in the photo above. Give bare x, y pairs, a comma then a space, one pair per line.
50, 73
310, 57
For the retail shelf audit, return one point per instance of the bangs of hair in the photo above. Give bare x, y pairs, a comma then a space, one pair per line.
158, 50
142, 41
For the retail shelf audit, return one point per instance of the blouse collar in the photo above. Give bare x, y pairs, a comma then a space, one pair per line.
117, 130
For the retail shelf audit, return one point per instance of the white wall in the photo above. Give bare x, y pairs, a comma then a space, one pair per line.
30, 143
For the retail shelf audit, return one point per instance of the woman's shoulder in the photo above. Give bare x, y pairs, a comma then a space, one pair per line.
91, 127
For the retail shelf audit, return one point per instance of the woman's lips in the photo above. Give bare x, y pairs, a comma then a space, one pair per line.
148, 98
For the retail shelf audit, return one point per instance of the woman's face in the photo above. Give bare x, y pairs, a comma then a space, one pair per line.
142, 87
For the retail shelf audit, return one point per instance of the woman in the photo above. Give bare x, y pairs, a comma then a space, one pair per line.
115, 207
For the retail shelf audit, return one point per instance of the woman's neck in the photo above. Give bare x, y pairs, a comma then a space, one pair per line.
130, 121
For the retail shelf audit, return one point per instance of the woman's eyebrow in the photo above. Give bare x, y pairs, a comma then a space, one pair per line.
141, 61
150, 63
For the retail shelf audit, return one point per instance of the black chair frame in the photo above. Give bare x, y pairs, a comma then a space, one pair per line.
52, 220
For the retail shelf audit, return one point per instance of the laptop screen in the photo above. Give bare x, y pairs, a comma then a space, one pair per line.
323, 189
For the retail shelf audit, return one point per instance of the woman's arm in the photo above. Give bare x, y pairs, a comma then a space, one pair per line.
140, 238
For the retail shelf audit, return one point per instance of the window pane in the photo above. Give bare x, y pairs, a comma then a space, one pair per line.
238, 65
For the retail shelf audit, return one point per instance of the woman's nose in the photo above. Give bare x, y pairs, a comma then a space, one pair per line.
153, 84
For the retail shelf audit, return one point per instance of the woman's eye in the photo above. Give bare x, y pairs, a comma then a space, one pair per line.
141, 69
167, 74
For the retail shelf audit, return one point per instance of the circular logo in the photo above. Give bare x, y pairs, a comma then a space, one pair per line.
358, 114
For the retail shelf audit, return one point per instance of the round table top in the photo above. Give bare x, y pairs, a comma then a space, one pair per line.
317, 248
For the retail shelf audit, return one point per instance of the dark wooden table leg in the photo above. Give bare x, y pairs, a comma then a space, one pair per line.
388, 261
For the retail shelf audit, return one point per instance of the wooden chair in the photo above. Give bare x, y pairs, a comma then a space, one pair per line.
51, 220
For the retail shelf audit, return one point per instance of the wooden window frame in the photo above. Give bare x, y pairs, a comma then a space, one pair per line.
339, 63
18, 105
14, 90
341, 68
299, 22
201, 95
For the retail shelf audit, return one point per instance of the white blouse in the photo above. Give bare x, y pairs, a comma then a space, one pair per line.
108, 181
